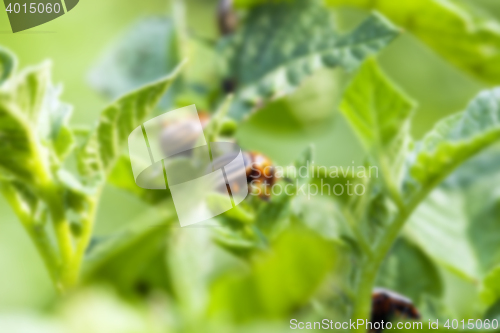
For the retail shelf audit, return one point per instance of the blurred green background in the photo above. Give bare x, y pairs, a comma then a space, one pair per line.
76, 41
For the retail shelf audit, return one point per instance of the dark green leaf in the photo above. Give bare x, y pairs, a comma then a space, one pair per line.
281, 43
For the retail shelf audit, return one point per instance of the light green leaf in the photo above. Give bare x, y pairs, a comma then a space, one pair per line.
454, 140
21, 101
440, 227
467, 39
490, 292
105, 145
122, 177
279, 44
54, 123
280, 281
379, 113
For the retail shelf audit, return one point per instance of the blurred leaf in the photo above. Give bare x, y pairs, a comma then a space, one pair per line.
147, 52
54, 123
410, 272
132, 259
8, 63
279, 44
105, 145
467, 39
281, 280
483, 208
122, 177
454, 140
491, 288
319, 214
440, 227
21, 101
194, 262
379, 113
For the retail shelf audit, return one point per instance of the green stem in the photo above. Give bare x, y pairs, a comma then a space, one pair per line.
62, 230
362, 300
368, 271
85, 236
36, 231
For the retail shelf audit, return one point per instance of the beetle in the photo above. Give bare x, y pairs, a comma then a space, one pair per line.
388, 305
259, 170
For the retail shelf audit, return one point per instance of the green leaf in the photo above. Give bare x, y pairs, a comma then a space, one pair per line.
148, 51
281, 43
490, 292
440, 227
454, 140
105, 145
54, 124
122, 177
280, 281
8, 63
409, 271
21, 101
469, 40
133, 258
379, 113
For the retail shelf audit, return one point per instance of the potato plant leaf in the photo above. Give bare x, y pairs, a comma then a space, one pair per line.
439, 227
490, 292
409, 271
280, 280
99, 153
379, 113
21, 101
281, 43
454, 140
147, 52
465, 38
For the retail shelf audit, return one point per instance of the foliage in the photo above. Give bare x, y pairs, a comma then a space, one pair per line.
37, 143
464, 36
425, 226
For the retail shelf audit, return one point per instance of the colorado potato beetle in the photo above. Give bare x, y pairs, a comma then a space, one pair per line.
388, 305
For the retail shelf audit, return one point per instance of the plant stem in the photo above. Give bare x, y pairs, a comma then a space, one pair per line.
362, 300
370, 268
86, 234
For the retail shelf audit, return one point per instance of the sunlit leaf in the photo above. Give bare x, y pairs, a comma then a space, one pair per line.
467, 39
440, 227
379, 113
456, 139
105, 145
280, 280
